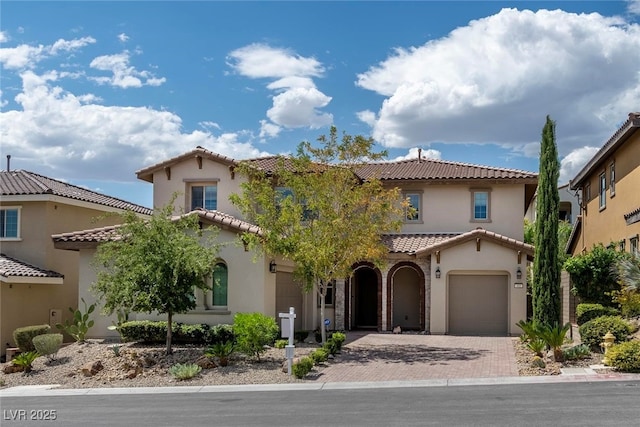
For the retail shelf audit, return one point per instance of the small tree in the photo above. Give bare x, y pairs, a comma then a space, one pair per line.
546, 268
155, 265
317, 212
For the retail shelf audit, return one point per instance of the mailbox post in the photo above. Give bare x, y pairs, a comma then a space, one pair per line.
287, 331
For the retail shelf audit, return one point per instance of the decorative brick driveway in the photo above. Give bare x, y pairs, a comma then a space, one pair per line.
409, 357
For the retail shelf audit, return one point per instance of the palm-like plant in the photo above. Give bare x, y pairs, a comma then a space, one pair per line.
554, 336
628, 270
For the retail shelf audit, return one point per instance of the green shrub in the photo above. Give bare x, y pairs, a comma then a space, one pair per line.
586, 312
148, 331
80, 324
580, 351
302, 367
23, 337
221, 334
281, 343
339, 338
594, 330
625, 356
184, 371
48, 345
300, 336
25, 360
319, 355
253, 332
331, 346
629, 302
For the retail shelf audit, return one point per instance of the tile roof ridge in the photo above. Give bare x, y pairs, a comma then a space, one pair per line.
35, 178
449, 162
87, 231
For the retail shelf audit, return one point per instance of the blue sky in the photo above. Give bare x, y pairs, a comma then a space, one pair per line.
91, 92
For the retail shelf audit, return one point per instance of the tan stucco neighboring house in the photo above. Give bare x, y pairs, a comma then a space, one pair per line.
609, 188
457, 267
37, 282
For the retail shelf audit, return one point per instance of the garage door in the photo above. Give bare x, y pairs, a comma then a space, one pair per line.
478, 305
288, 294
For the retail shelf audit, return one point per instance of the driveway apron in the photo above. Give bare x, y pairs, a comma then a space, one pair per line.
409, 357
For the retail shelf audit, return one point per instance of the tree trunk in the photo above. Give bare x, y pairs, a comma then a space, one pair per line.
169, 321
323, 329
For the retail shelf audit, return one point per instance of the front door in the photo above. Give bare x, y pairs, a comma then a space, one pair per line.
365, 298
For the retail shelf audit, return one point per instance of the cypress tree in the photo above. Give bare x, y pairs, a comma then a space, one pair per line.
546, 269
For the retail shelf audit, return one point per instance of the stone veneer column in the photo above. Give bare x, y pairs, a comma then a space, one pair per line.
339, 304
425, 266
384, 297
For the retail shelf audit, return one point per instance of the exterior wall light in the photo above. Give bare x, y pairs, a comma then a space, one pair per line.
438, 272
519, 274
272, 267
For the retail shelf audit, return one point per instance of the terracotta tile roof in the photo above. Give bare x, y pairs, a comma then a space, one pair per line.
410, 243
146, 174
624, 132
91, 238
430, 169
11, 267
24, 183
475, 234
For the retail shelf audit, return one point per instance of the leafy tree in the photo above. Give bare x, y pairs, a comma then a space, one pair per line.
546, 268
316, 212
593, 274
155, 265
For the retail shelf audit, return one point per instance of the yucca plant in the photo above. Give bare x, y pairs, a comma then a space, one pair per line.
184, 371
537, 345
222, 351
554, 337
530, 328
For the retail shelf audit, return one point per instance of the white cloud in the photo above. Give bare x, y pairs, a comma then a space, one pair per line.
571, 164
633, 7
123, 37
25, 56
298, 101
424, 153
3, 37
495, 80
123, 75
59, 133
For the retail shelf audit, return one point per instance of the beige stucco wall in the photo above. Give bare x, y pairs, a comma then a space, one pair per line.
448, 208
30, 304
608, 225
491, 259
251, 288
164, 188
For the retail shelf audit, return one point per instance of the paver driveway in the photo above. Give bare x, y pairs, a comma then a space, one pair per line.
409, 357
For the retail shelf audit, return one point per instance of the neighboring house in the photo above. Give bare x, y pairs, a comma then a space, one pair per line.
609, 188
568, 209
458, 266
37, 282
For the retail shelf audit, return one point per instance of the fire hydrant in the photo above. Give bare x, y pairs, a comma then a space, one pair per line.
609, 339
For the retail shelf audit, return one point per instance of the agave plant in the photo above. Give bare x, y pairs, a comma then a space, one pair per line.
221, 350
628, 270
25, 360
537, 345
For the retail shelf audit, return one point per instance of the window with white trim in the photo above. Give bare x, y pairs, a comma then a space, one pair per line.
612, 179
480, 205
603, 190
413, 212
10, 223
328, 296
633, 244
204, 196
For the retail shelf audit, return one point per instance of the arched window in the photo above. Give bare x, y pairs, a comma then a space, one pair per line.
220, 280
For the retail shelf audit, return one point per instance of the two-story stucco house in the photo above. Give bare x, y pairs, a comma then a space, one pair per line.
37, 282
457, 267
609, 185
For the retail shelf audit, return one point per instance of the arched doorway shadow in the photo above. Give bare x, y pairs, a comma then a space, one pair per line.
364, 292
406, 296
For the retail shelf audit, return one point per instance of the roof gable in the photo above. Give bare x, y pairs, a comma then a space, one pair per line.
14, 270
25, 183
199, 153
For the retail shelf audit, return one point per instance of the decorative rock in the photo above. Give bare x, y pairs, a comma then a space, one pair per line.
397, 330
132, 373
205, 362
10, 369
90, 369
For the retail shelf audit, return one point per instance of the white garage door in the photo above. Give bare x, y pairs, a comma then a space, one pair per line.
478, 305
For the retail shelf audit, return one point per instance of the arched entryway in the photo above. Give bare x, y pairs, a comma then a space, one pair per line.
406, 297
365, 293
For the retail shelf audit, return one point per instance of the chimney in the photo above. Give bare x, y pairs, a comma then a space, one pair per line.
8, 162
419, 154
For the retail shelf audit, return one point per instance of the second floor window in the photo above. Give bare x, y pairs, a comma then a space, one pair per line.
9, 223
612, 179
415, 202
633, 244
480, 205
603, 190
204, 196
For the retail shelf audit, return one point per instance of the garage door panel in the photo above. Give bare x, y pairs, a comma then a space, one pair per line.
478, 305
